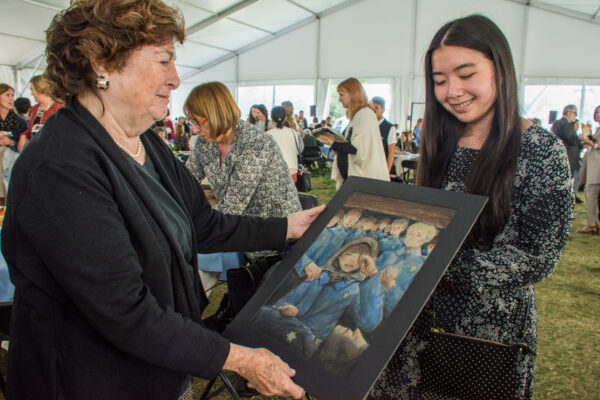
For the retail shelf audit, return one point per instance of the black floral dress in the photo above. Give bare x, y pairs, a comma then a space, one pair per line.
489, 293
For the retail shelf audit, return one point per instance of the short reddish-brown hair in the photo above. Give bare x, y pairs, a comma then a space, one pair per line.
104, 32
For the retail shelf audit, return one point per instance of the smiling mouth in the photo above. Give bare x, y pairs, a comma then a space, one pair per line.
462, 105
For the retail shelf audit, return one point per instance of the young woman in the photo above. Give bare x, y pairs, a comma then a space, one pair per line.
288, 141
12, 125
44, 108
363, 154
475, 141
259, 117
290, 120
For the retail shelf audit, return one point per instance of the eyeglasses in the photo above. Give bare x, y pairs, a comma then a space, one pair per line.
198, 123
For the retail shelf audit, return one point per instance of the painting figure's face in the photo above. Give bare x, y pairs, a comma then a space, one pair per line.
384, 223
351, 218
398, 226
333, 221
365, 224
418, 234
349, 259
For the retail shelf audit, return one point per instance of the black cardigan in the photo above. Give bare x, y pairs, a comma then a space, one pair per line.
104, 305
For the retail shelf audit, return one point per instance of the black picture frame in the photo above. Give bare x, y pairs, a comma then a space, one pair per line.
454, 213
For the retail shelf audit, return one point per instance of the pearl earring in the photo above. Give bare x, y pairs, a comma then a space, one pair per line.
101, 82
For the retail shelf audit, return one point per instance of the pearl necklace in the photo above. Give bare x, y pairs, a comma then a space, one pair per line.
137, 153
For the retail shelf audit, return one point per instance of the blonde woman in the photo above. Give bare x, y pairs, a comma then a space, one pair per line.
363, 154
290, 120
45, 107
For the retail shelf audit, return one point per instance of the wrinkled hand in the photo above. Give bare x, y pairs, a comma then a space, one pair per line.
388, 277
312, 272
289, 310
299, 222
367, 266
264, 371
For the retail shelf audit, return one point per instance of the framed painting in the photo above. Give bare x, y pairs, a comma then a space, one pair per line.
339, 304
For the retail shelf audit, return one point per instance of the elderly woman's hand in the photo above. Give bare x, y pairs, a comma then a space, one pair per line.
264, 371
299, 222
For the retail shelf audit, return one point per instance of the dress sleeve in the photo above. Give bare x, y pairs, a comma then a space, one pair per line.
530, 245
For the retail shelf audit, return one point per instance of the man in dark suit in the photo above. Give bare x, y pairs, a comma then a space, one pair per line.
564, 128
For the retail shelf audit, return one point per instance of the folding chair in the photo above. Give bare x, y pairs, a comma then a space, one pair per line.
409, 168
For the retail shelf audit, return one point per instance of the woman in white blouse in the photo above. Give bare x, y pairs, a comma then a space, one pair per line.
289, 142
363, 154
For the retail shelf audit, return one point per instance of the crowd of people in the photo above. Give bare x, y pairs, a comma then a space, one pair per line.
103, 223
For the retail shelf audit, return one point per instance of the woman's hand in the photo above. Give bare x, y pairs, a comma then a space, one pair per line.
299, 222
264, 371
326, 140
6, 141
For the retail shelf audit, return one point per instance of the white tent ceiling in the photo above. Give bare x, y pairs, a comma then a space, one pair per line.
216, 29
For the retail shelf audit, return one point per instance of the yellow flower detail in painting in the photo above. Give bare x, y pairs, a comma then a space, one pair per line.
291, 337
346, 295
413, 268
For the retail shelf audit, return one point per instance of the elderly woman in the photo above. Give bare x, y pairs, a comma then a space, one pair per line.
102, 246
363, 154
12, 125
243, 165
45, 107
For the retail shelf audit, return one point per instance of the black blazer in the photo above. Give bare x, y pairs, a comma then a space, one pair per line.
105, 305
565, 132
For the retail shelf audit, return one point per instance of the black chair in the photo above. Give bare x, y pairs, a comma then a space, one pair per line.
409, 168
308, 200
312, 155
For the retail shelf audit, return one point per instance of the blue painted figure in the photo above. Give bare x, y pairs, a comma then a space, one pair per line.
406, 263
349, 283
326, 245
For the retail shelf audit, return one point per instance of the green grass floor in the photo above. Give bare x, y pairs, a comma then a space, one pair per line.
568, 364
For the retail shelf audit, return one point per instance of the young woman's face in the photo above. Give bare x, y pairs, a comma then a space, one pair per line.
464, 83
344, 98
597, 115
6, 99
256, 114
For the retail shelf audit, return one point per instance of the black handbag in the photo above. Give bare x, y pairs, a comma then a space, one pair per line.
242, 283
470, 368
303, 180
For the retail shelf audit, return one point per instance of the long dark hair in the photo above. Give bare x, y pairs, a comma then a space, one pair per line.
263, 111
492, 172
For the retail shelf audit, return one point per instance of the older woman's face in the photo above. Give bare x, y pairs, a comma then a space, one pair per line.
6, 99
143, 86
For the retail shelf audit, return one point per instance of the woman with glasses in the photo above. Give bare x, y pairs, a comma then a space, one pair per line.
243, 165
